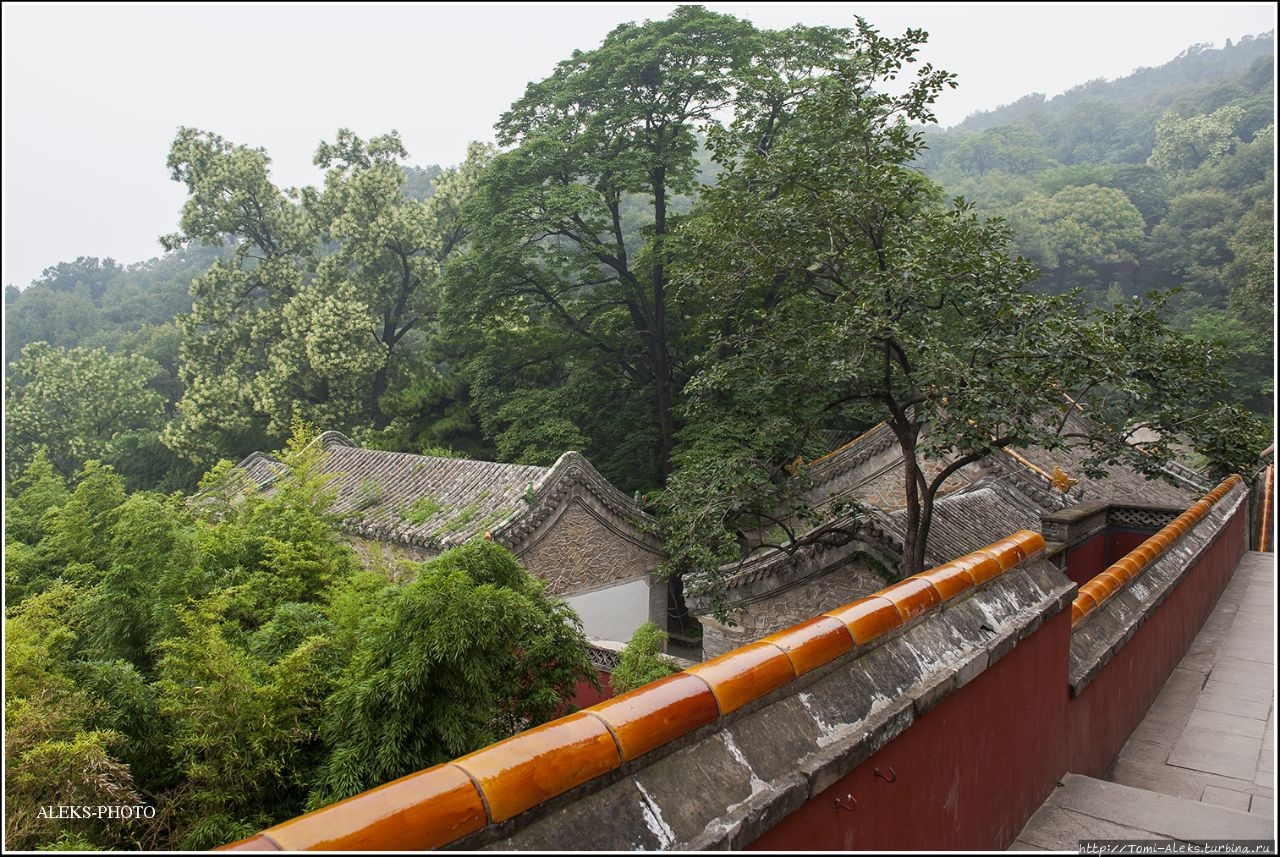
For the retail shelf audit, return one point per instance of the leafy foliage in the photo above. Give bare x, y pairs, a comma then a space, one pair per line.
705, 248
567, 283
78, 404
205, 656
641, 661
1190, 145
53, 755
847, 289
468, 653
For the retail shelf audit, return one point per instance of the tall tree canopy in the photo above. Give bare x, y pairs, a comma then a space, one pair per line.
570, 252
847, 291
79, 404
310, 315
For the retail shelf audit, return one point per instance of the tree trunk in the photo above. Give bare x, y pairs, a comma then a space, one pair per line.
916, 530
658, 341
376, 389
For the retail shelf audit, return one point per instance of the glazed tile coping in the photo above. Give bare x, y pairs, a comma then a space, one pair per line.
1116, 576
439, 805
1264, 525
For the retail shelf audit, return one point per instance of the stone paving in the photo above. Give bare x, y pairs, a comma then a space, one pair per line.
1201, 765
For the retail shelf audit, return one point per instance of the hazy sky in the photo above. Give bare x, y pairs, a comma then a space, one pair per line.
93, 94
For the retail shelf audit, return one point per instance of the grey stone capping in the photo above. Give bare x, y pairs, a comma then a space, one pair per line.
1136, 516
1103, 632
1075, 524
824, 548
606, 654
727, 783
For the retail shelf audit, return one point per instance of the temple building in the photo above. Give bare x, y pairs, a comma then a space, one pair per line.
590, 543
596, 548
851, 555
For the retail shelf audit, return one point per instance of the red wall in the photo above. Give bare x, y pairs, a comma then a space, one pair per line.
1086, 559
1011, 719
584, 694
1123, 541
1113, 704
971, 772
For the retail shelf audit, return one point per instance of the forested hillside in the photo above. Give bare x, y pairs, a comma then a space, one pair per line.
1159, 181
1162, 180
222, 657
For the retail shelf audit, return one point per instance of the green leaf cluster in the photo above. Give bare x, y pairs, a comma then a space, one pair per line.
207, 656
641, 661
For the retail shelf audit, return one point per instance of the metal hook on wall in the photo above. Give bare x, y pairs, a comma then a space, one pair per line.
892, 778
839, 804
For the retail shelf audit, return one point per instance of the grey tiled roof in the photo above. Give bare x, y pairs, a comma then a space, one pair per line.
415, 499
972, 518
1120, 483
438, 503
261, 468
1008, 491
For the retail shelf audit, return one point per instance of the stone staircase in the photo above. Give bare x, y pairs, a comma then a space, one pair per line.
1083, 808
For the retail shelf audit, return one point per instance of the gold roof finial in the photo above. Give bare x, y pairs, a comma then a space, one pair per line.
1062, 481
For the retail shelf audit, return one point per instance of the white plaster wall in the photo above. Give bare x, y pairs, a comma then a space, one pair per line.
613, 613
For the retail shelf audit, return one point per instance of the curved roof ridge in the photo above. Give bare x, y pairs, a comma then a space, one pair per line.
564, 468
851, 455
844, 446
544, 495
330, 438
868, 526
261, 468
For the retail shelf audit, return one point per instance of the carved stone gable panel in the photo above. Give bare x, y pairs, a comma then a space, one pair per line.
578, 552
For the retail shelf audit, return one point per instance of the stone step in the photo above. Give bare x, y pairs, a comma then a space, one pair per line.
1085, 808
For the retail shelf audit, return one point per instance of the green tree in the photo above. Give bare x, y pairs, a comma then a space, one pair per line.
197, 654
1080, 230
468, 653
241, 728
571, 225
641, 661
1190, 247
78, 404
1252, 270
150, 535
1183, 144
53, 755
383, 277
1012, 150
77, 533
329, 296
44, 315
1095, 131
38, 490
237, 312
849, 293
